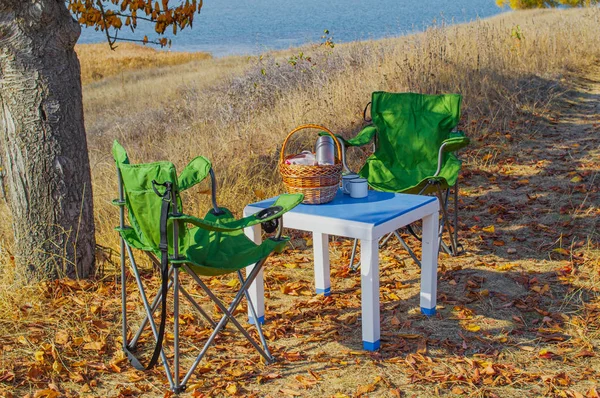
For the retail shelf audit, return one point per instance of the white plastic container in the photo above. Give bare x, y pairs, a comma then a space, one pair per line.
306, 158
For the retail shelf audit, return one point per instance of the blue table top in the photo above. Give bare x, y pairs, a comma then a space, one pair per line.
376, 208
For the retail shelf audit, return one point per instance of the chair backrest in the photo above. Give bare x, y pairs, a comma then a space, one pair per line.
143, 204
411, 127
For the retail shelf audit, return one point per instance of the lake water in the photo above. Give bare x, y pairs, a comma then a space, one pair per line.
227, 27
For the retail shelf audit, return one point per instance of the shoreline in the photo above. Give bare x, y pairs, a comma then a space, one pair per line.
257, 49
311, 44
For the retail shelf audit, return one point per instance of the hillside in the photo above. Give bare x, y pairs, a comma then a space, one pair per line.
519, 312
99, 62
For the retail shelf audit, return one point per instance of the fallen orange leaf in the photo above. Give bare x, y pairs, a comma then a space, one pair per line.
293, 393
409, 336
507, 267
526, 348
47, 393
561, 250
471, 327
39, 356
232, 389
592, 393
544, 353
489, 229
584, 354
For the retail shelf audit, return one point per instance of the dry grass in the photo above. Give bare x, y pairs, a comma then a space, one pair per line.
98, 61
236, 111
534, 127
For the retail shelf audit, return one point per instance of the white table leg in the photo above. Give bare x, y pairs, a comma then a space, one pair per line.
430, 249
257, 288
321, 256
369, 283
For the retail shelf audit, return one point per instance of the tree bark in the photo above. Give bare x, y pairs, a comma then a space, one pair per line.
43, 141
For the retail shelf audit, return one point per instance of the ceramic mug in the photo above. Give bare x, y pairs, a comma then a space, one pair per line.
345, 180
358, 188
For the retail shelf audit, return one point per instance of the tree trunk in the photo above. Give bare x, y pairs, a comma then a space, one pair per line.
43, 142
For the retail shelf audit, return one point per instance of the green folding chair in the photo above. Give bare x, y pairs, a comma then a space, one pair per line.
415, 141
214, 245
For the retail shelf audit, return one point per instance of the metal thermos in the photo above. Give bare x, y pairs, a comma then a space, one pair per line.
325, 150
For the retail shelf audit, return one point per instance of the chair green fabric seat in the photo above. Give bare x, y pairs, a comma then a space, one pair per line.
212, 253
381, 179
218, 253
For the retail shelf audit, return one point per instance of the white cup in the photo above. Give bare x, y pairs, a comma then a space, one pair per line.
345, 180
358, 188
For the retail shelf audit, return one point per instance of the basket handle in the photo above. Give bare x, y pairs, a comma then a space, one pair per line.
310, 126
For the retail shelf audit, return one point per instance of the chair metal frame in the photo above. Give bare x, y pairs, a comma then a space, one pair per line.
173, 375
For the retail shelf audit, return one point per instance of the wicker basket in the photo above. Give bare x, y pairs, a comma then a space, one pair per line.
319, 184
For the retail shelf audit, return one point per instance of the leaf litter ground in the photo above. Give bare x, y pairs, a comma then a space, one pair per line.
518, 313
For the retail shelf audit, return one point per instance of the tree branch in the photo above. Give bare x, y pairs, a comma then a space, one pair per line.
115, 38
137, 17
108, 37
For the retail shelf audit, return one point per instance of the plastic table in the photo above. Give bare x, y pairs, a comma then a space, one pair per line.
366, 219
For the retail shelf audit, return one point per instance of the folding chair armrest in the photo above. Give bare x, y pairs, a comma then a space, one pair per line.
195, 172
456, 141
282, 205
199, 222
363, 137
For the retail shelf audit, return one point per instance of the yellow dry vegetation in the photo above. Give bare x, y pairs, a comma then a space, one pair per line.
236, 111
99, 61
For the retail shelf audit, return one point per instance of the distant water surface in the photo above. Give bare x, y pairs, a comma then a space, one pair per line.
227, 27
